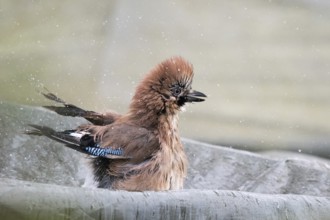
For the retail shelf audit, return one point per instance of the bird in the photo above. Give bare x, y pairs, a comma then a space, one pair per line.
140, 150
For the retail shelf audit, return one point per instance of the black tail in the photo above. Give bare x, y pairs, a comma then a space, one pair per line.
62, 137
74, 111
82, 142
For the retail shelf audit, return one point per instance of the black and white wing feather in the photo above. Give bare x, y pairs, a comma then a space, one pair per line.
81, 141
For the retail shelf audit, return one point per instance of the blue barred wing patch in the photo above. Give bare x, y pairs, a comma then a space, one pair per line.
102, 152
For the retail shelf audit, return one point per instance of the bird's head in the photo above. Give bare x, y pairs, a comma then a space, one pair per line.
168, 87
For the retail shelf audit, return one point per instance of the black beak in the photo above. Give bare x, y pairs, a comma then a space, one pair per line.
195, 96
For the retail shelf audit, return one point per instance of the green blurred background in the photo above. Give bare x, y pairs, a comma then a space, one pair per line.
265, 65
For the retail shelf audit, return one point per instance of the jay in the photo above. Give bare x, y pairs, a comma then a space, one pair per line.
140, 150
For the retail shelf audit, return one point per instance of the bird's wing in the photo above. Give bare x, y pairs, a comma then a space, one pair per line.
115, 141
74, 111
82, 141
137, 143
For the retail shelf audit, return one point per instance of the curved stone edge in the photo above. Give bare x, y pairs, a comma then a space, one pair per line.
26, 200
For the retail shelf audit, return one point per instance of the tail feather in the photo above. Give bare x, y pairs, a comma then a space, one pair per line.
62, 137
74, 111
53, 97
79, 141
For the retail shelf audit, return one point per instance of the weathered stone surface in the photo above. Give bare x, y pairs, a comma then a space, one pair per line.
25, 200
215, 167
216, 174
32, 158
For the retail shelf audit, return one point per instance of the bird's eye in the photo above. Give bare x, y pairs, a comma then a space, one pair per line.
176, 91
